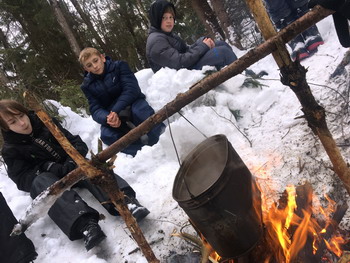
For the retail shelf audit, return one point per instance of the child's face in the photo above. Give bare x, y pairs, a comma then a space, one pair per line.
18, 123
167, 24
95, 64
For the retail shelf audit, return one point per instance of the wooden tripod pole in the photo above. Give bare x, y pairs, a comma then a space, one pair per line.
294, 76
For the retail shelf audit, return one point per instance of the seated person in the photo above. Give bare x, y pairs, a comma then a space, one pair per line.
14, 249
35, 161
285, 12
166, 49
115, 99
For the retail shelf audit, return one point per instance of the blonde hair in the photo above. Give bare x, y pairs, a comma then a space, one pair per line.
86, 53
10, 108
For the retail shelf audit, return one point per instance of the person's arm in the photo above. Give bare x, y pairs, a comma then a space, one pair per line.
21, 171
98, 113
130, 89
165, 55
63, 168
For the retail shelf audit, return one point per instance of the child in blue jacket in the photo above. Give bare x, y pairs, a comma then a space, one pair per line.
115, 99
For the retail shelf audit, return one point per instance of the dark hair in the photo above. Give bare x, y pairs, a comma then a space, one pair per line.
10, 107
170, 10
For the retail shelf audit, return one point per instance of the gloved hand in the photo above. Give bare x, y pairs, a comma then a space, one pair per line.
68, 166
58, 169
342, 8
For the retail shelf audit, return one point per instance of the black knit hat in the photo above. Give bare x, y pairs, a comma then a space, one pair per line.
156, 12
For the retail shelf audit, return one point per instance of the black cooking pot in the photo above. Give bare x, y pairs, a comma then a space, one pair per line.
215, 189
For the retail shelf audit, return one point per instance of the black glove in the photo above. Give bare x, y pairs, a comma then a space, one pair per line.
58, 169
52, 167
68, 166
342, 8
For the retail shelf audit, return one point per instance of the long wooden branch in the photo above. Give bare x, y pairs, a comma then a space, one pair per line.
197, 90
104, 179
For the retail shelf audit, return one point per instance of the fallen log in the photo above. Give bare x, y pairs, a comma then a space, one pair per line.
182, 99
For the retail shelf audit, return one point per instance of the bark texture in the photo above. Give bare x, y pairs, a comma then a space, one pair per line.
65, 27
208, 18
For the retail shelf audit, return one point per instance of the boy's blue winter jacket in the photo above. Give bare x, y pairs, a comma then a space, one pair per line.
114, 90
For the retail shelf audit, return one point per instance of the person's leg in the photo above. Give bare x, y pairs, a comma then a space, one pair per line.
278, 9
110, 135
14, 249
282, 14
67, 210
101, 195
219, 56
141, 110
312, 36
137, 210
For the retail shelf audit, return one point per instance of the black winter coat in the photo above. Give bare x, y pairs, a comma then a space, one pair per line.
26, 156
16, 249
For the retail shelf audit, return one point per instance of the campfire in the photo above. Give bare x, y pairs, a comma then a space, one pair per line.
236, 222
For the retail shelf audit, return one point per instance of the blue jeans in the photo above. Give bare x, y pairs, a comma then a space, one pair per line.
219, 56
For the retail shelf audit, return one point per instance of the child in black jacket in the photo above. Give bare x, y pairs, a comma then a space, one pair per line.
35, 161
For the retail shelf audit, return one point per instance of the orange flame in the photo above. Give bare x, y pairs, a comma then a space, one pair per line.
287, 231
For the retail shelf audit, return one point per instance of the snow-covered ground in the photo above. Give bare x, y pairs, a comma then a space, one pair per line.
277, 147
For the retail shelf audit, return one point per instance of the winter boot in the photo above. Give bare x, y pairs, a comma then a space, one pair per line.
299, 51
137, 210
312, 38
93, 234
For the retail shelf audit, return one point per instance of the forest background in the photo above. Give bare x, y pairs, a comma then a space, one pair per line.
40, 40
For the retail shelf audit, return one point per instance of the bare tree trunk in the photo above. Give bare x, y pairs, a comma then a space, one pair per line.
65, 27
208, 18
90, 26
225, 21
143, 12
3, 77
294, 76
